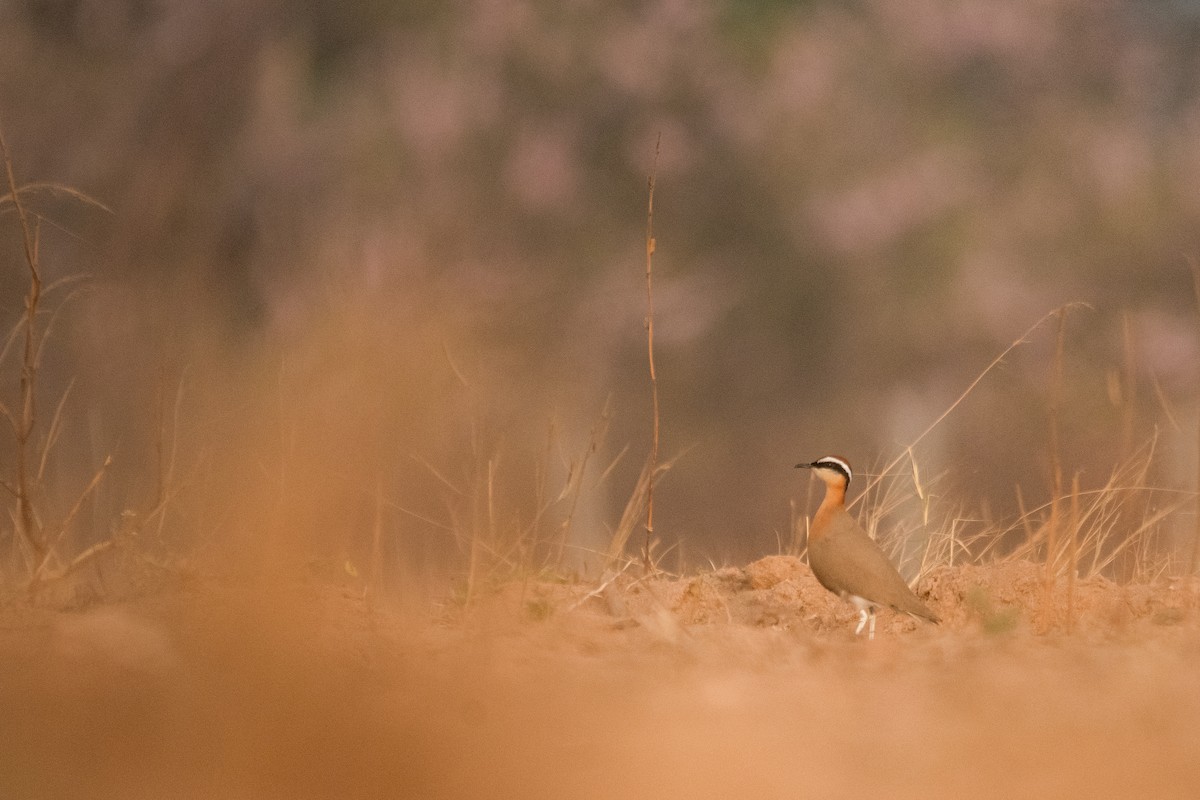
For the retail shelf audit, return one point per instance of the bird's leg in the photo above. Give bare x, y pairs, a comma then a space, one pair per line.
866, 611
862, 621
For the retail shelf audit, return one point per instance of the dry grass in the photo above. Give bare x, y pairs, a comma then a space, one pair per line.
506, 518
1120, 529
41, 545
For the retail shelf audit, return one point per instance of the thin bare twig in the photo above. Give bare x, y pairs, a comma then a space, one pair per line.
27, 515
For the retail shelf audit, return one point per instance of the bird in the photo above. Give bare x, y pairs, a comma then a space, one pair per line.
846, 560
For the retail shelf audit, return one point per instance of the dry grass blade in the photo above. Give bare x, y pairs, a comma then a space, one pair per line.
14, 197
67, 522
435, 473
1021, 340
634, 507
1164, 404
54, 315
52, 188
617, 459
1101, 526
629, 517
917, 527
166, 458
575, 483
55, 429
607, 579
421, 517
13, 334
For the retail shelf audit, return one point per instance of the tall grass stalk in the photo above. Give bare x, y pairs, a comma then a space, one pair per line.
40, 542
1194, 555
1024, 338
652, 466
1056, 472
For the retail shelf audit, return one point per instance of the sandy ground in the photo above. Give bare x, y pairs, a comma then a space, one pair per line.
739, 683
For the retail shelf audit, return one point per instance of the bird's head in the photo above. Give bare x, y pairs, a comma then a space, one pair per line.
835, 471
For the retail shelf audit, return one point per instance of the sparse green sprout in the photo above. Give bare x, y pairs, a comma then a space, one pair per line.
991, 619
539, 609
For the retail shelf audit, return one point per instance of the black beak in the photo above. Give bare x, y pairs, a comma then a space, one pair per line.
804, 466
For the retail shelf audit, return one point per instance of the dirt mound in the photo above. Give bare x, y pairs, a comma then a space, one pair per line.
780, 591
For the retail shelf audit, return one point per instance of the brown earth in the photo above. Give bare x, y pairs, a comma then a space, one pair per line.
736, 683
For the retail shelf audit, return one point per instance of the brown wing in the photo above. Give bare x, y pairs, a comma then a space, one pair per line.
848, 561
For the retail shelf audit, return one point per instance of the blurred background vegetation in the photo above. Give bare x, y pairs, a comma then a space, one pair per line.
379, 265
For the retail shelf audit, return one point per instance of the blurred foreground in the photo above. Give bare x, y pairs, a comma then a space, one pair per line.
738, 683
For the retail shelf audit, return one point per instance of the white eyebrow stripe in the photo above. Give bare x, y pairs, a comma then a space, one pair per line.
840, 463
